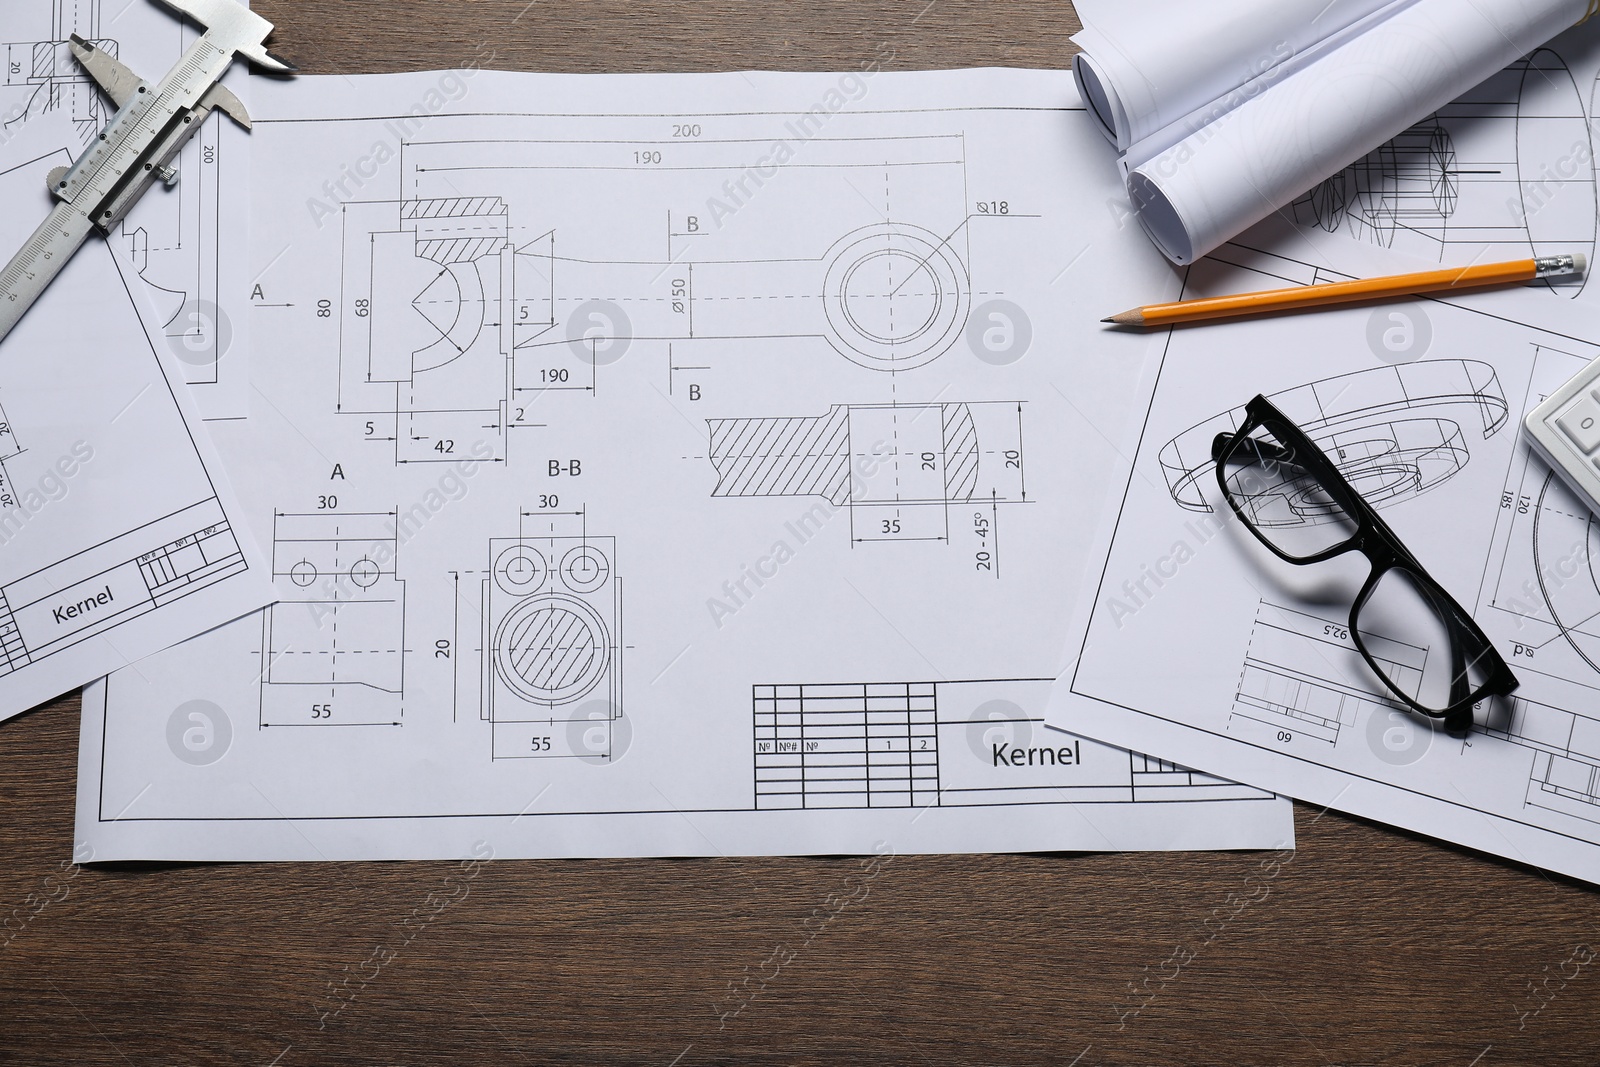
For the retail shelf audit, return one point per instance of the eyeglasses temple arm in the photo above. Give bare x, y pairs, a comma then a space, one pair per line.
1460, 683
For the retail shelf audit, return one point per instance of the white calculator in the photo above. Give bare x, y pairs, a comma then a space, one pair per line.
1565, 430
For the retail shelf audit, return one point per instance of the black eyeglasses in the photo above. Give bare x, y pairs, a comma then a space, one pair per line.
1413, 634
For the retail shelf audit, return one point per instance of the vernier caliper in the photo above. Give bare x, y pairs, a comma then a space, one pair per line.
139, 144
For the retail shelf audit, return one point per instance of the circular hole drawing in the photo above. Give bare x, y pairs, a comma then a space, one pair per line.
552, 649
584, 569
364, 572
520, 569
890, 297
303, 573
896, 296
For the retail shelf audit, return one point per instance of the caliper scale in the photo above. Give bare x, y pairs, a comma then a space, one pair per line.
140, 143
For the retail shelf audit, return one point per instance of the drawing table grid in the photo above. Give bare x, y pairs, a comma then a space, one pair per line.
846, 746
1366, 945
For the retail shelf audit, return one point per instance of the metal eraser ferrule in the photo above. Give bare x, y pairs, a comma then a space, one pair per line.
1555, 266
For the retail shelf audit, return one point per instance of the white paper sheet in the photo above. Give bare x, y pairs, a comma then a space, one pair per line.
185, 242
662, 465
117, 535
1205, 179
1195, 641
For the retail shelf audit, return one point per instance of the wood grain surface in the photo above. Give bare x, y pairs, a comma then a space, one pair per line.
1365, 946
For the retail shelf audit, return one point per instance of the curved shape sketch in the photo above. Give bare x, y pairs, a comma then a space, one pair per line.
1566, 539
1395, 432
453, 305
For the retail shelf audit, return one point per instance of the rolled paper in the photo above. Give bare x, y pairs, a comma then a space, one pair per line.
1202, 178
1144, 66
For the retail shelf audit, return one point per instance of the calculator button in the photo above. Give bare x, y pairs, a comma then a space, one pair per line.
1581, 422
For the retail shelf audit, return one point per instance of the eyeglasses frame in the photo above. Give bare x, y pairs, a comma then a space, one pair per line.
1384, 552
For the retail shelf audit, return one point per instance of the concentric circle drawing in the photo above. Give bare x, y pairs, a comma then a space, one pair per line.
520, 569
1566, 538
910, 306
584, 569
552, 649
896, 296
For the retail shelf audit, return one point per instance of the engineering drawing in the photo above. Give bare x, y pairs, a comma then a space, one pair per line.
457, 324
462, 307
333, 647
1339, 694
1394, 432
552, 609
1274, 694
891, 296
898, 468
164, 560
443, 299
1546, 576
1542, 575
1565, 775
1507, 169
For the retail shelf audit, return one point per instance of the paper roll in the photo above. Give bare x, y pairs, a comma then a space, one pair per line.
1145, 66
1257, 158
1220, 168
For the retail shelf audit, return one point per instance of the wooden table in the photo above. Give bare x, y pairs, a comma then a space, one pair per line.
1367, 945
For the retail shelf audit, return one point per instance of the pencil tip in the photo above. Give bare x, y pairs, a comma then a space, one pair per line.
1113, 318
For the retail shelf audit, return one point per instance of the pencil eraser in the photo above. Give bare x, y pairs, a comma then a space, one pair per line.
1580, 263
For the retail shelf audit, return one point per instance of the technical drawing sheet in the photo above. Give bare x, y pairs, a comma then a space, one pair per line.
1193, 639
117, 537
1505, 172
662, 465
185, 243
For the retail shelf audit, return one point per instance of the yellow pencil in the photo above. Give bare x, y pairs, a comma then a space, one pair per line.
1312, 296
